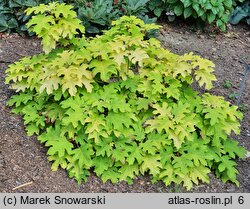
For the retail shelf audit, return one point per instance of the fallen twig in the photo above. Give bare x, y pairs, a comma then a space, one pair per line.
23, 185
20, 54
2, 61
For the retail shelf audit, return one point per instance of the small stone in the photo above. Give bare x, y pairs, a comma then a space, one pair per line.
142, 182
231, 190
34, 44
16, 167
18, 183
247, 155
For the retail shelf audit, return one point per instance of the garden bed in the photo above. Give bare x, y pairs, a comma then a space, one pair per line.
23, 159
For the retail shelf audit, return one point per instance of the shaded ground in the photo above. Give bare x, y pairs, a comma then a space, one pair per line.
23, 159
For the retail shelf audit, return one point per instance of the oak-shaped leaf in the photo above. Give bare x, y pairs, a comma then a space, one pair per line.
60, 146
79, 161
151, 163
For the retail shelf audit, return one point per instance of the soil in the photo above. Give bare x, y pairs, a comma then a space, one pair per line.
23, 159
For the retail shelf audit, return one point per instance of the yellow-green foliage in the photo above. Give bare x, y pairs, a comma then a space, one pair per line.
54, 23
121, 104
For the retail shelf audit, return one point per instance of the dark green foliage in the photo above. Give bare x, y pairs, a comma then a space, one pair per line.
210, 11
240, 13
12, 17
157, 6
227, 84
98, 14
95, 15
8, 13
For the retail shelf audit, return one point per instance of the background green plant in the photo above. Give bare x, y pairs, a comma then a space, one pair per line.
97, 15
241, 12
227, 84
122, 105
12, 17
210, 11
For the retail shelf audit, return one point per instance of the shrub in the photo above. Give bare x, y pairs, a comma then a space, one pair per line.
121, 104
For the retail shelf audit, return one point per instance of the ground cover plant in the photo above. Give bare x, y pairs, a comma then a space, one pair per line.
97, 15
121, 105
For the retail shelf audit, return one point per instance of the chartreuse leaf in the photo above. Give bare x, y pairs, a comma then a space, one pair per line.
50, 84
111, 174
75, 76
104, 147
182, 68
105, 69
183, 164
168, 174
101, 164
163, 121
32, 128
54, 112
65, 10
58, 161
233, 149
200, 173
59, 146
79, 161
58, 21
74, 115
50, 134
173, 90
204, 73
96, 123
227, 170
121, 105
148, 147
128, 171
21, 98
151, 163
182, 178
135, 155
221, 113
137, 56
31, 114
120, 121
